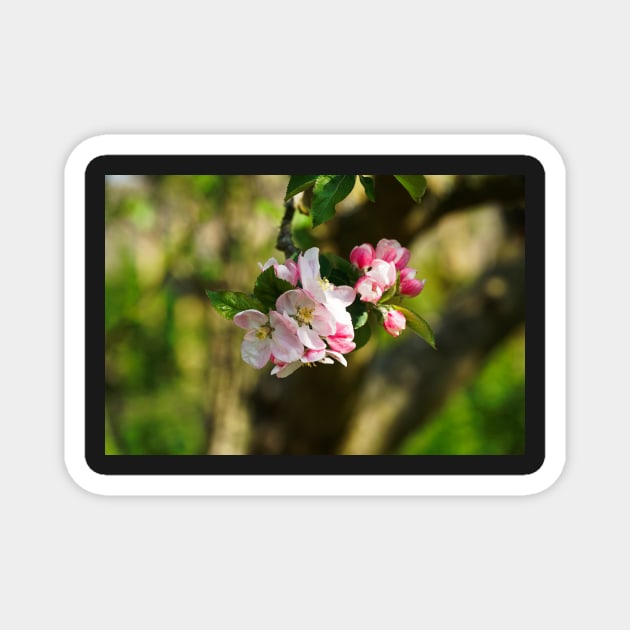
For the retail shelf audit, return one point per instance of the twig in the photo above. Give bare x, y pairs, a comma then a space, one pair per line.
285, 240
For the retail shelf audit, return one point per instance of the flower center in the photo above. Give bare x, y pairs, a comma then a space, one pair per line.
263, 332
304, 315
325, 284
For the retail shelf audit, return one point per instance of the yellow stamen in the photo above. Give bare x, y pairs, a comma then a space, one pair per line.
263, 332
325, 284
304, 315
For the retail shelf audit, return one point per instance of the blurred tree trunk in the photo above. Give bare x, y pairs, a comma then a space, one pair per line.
410, 381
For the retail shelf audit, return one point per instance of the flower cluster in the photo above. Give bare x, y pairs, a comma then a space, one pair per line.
315, 308
385, 276
310, 322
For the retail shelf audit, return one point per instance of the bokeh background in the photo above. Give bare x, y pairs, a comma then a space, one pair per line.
175, 382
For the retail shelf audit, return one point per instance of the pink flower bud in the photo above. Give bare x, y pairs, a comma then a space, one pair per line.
383, 272
369, 289
394, 322
409, 286
289, 272
390, 250
362, 255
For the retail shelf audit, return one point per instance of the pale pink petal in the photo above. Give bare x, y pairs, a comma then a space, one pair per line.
269, 263
285, 343
286, 369
383, 272
249, 319
289, 272
310, 338
289, 301
312, 356
254, 351
281, 320
369, 289
323, 321
308, 265
344, 295
338, 357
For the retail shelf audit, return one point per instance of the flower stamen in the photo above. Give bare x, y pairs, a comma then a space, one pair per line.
263, 332
304, 315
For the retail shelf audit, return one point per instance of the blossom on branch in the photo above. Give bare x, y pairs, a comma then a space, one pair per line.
266, 335
312, 321
394, 322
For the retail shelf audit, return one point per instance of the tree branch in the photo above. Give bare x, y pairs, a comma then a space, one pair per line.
285, 240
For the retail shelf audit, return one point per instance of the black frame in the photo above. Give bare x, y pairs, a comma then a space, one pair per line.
526, 463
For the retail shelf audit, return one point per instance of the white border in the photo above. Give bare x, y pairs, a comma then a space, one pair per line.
344, 485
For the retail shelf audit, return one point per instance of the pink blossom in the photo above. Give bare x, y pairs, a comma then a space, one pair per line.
368, 289
341, 341
312, 318
383, 272
362, 256
282, 369
266, 335
334, 298
409, 286
394, 322
289, 271
390, 250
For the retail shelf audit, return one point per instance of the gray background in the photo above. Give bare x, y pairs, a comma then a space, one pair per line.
72, 70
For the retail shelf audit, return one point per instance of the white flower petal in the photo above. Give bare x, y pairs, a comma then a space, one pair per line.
288, 302
256, 352
285, 344
344, 295
310, 338
249, 319
338, 357
288, 369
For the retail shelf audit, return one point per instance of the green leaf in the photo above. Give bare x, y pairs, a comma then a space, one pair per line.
345, 266
229, 303
417, 324
268, 288
298, 183
359, 313
339, 278
362, 336
328, 191
368, 186
415, 185
388, 295
325, 266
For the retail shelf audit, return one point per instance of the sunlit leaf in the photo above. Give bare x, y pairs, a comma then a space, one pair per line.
415, 185
328, 191
298, 183
229, 303
417, 324
359, 313
268, 287
368, 186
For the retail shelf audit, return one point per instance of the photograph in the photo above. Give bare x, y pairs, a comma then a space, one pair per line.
315, 314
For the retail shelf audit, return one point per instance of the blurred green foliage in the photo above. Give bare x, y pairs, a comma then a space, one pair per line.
487, 417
